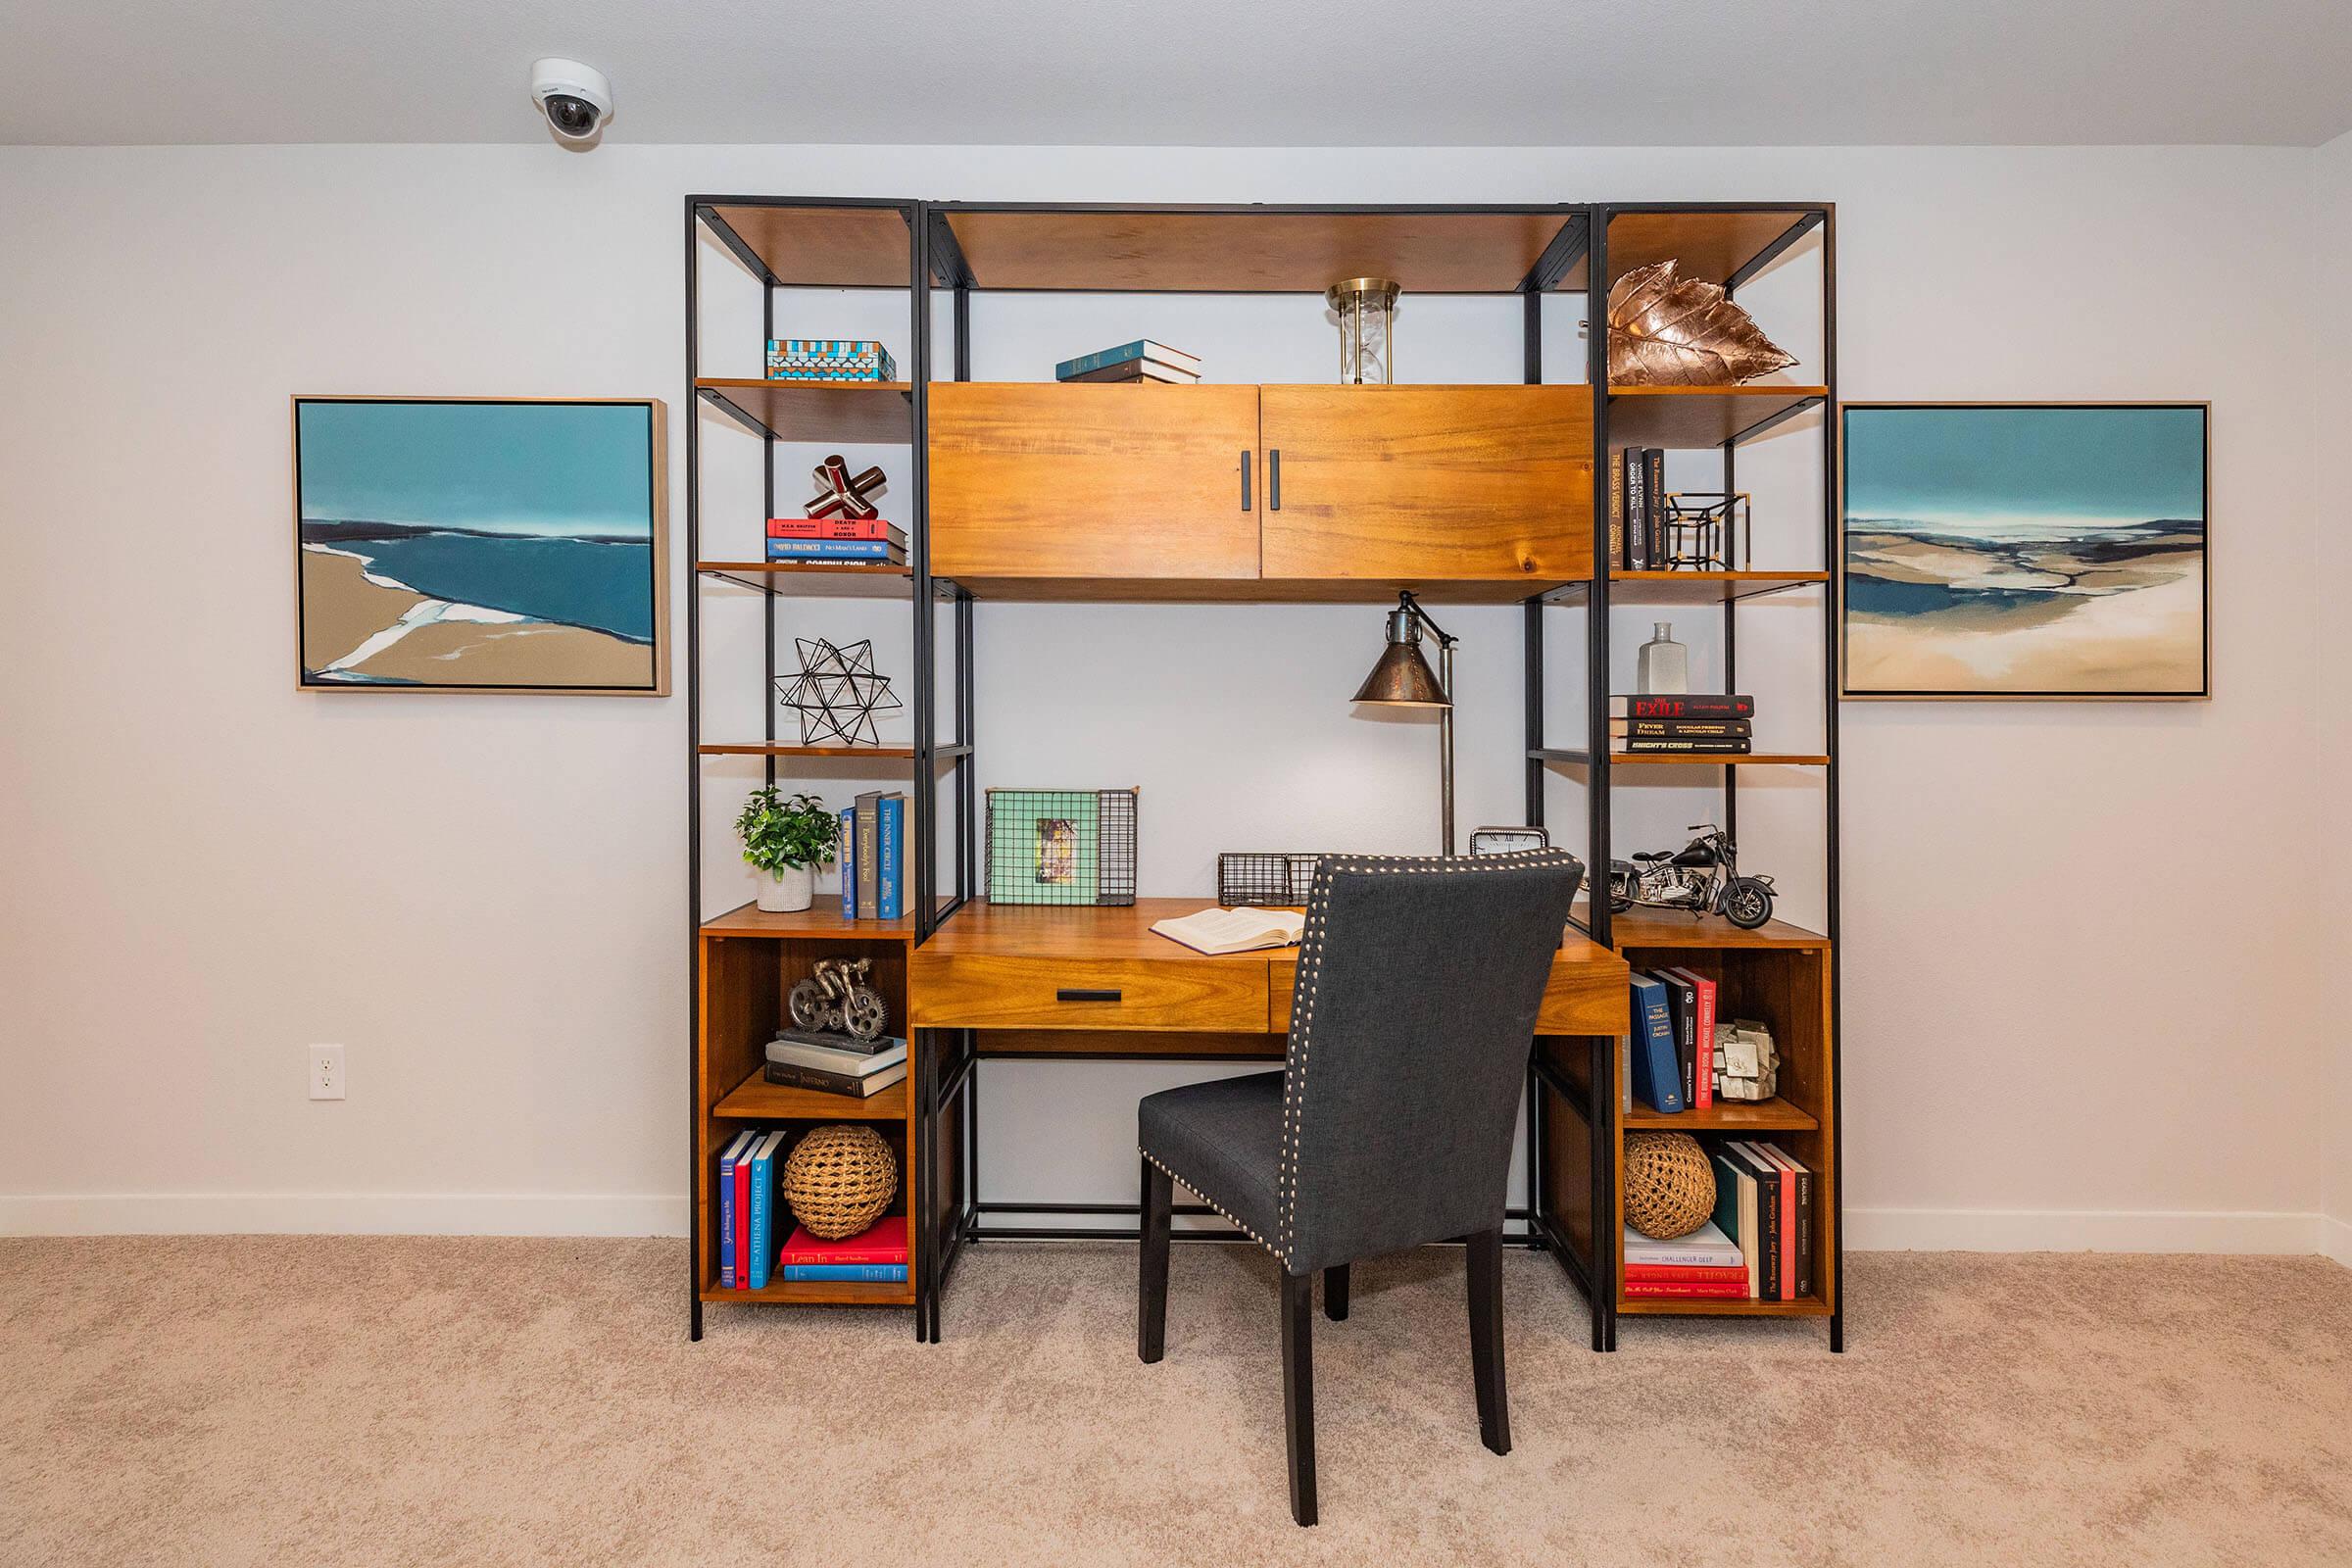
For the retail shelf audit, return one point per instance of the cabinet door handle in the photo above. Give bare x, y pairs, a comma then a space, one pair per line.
1245, 478
1273, 479
1082, 993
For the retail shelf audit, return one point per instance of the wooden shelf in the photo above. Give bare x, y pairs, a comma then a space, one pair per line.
1255, 590
1665, 928
822, 921
820, 579
819, 246
1704, 587
1702, 415
1702, 759
825, 412
901, 754
1264, 249
820, 1292
758, 1099
1726, 1116
1711, 245
1671, 1306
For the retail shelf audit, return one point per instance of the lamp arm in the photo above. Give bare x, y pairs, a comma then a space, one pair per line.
1421, 616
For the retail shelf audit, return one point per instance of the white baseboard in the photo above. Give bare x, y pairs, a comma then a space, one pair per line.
344, 1214
2085, 1230
2336, 1240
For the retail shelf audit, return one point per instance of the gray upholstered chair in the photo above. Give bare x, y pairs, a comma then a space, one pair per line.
1390, 1123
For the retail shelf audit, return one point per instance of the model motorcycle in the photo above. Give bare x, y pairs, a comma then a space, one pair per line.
836, 999
1703, 877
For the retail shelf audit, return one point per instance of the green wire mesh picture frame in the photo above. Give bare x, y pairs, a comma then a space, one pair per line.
1062, 846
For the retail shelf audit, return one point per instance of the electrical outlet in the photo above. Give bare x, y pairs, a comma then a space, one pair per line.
326, 1072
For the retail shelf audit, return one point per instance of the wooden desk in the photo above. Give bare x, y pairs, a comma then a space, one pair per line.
1092, 981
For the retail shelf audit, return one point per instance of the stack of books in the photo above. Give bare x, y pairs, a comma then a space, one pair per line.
1673, 1045
1696, 723
1638, 510
748, 1169
1705, 1265
876, 1254
819, 358
837, 1064
1140, 360
873, 856
868, 541
1764, 1201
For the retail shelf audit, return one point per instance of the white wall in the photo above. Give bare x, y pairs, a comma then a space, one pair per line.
2331, 410
2072, 1002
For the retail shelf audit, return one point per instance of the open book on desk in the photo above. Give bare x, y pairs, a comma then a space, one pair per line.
1234, 930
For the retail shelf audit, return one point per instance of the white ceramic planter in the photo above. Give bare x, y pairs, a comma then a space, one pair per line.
793, 888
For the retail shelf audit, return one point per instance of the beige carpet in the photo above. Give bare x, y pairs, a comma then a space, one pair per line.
232, 1400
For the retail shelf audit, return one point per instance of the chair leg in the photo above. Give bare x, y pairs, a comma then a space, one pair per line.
1485, 1340
1151, 1285
1335, 1292
1299, 1389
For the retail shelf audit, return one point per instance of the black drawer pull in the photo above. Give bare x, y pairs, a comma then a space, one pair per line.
1083, 994
1244, 479
1273, 479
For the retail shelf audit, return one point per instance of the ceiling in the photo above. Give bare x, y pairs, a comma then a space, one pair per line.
1190, 73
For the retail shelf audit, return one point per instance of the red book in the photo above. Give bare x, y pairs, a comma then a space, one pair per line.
834, 529
883, 1242
743, 1223
1705, 1052
1683, 704
1696, 1289
1687, 1274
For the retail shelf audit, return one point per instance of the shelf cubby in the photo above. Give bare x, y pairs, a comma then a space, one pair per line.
827, 413
1704, 415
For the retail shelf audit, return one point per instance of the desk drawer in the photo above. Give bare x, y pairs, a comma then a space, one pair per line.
954, 992
1579, 998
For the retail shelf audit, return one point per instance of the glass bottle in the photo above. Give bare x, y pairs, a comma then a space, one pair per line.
1665, 665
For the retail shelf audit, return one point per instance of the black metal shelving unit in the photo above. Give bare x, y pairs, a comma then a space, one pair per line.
1593, 1100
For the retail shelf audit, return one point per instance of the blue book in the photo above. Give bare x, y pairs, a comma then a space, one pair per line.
847, 861
891, 862
834, 550
1657, 1068
865, 1273
763, 1204
726, 1207
1143, 348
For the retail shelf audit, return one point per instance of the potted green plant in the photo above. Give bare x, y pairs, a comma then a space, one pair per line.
785, 839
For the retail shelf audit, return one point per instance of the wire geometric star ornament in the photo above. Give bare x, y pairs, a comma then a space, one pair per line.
837, 692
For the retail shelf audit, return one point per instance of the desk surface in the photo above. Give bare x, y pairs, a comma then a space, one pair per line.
1005, 967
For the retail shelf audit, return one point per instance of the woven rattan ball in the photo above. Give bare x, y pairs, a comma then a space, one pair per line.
1669, 1186
839, 1179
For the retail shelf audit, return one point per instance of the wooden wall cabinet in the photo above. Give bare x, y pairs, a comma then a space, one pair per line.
1081, 480
1427, 482
1288, 484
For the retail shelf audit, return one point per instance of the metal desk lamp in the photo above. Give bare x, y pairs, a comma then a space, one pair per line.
1402, 680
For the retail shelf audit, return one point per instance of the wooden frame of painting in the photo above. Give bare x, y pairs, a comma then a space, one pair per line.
514, 545
2002, 551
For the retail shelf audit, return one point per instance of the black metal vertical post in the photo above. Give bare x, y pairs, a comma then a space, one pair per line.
1832, 561
926, 672
694, 786
1731, 634
1601, 1122
768, 501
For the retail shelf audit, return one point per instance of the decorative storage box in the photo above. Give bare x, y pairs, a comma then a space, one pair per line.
1254, 878
812, 359
1062, 846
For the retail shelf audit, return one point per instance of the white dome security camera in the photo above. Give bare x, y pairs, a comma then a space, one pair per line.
576, 99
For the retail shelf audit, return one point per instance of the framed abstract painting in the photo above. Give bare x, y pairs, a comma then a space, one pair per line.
481, 545
2025, 549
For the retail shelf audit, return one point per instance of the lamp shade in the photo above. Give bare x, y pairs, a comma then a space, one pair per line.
1403, 679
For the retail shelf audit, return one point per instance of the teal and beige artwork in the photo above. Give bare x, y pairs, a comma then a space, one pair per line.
2025, 549
479, 545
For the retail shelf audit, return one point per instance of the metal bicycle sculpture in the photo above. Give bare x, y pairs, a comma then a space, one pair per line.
836, 998
1703, 877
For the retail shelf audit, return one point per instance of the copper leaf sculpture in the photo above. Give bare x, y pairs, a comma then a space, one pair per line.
1666, 331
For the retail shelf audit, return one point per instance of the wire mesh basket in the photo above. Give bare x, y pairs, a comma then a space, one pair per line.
1062, 846
1254, 878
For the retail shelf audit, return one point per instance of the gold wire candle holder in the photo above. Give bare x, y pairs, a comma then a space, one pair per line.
1367, 311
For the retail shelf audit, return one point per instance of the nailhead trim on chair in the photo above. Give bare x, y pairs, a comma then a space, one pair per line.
1212, 1202
1307, 985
